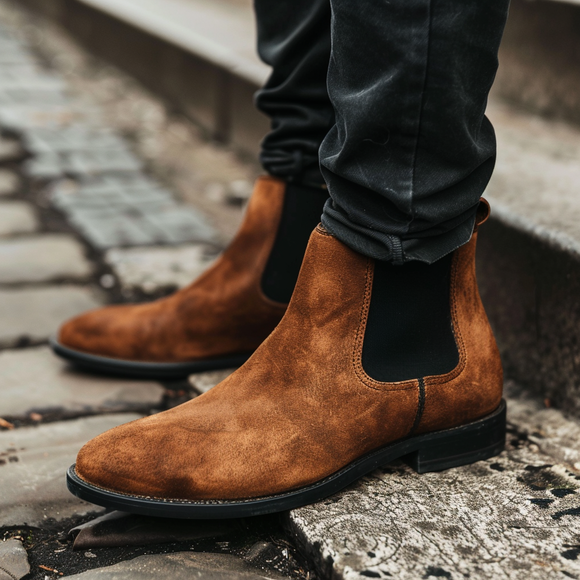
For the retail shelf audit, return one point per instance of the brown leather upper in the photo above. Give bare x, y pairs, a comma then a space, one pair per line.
223, 312
302, 406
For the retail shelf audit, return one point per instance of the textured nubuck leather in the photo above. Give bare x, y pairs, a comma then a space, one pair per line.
303, 407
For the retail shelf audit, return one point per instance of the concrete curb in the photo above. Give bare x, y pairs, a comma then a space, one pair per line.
529, 279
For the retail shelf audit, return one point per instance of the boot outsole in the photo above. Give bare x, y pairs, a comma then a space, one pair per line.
436, 451
144, 370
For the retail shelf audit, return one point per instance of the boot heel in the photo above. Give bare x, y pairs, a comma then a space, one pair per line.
479, 440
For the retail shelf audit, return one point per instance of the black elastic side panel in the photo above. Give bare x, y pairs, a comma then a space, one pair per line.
300, 215
409, 332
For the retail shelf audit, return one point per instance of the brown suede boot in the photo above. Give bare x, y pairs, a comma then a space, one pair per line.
302, 418
216, 322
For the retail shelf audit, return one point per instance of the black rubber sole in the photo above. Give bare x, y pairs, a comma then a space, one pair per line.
144, 370
479, 440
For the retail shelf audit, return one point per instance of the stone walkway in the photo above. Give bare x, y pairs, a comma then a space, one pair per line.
83, 221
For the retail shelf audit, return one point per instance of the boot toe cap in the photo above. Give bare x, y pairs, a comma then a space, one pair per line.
99, 332
132, 460
110, 461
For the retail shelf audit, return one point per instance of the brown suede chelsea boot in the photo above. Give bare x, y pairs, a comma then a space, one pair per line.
313, 409
222, 317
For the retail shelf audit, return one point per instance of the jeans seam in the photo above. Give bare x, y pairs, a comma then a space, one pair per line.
421, 108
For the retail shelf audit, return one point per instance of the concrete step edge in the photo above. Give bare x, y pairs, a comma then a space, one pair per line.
558, 241
180, 36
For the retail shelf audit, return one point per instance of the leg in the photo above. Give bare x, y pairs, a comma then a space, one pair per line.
411, 151
294, 38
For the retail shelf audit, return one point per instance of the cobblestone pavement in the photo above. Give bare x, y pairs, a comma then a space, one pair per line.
92, 210
86, 218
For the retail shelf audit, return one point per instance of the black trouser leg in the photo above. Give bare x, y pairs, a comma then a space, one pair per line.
294, 38
411, 151
407, 149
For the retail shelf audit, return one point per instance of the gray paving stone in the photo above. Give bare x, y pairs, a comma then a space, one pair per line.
9, 182
34, 379
546, 428
10, 150
179, 224
14, 54
18, 71
46, 166
17, 217
13, 560
37, 82
513, 517
146, 194
203, 382
33, 314
42, 259
70, 195
150, 269
73, 138
101, 161
21, 118
140, 224
177, 565
33, 461
111, 227
31, 96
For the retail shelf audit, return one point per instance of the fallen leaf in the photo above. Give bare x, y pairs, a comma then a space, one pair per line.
51, 570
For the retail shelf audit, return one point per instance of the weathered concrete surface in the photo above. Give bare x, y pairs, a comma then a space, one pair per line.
9, 182
10, 150
13, 560
203, 382
529, 254
515, 517
36, 380
545, 427
539, 58
33, 462
539, 157
42, 259
17, 217
33, 314
178, 565
152, 269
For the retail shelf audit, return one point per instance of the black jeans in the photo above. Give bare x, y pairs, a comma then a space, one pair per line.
385, 101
